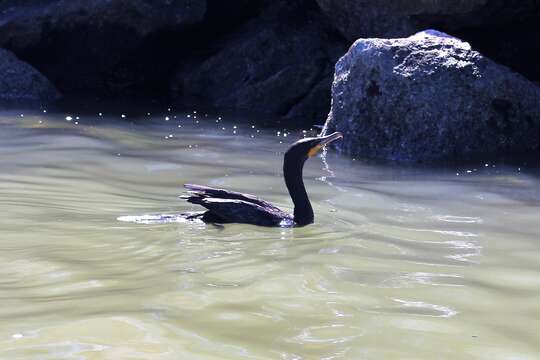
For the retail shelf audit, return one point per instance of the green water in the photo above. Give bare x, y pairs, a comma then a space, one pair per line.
401, 263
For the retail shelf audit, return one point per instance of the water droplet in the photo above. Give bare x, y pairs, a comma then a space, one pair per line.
167, 118
69, 118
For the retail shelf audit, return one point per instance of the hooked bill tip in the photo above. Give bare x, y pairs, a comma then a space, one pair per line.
325, 140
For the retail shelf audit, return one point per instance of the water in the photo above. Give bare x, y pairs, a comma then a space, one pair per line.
401, 263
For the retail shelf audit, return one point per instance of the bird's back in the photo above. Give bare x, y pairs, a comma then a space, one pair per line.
235, 207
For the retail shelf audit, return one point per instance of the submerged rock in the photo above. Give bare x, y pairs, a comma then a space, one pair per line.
430, 97
279, 64
20, 83
98, 46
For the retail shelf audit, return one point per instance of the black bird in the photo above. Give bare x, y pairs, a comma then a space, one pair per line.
232, 207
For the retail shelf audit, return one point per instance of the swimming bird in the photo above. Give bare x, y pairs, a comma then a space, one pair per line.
224, 206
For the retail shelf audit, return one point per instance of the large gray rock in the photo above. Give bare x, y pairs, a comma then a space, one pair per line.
279, 64
20, 83
430, 97
98, 46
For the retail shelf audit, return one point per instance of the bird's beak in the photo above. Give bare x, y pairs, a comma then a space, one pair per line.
323, 141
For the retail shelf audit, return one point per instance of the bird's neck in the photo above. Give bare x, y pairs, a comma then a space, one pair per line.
292, 171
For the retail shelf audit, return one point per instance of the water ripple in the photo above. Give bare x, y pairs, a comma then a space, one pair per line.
400, 261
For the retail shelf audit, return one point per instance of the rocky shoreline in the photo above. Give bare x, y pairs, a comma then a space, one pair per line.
277, 58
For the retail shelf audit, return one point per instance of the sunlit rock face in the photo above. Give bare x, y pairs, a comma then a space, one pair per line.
280, 63
430, 98
21, 84
98, 46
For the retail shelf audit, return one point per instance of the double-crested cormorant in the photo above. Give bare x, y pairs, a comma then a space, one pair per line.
232, 207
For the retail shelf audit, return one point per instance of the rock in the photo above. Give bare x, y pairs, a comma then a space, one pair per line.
428, 98
99, 46
516, 24
274, 65
20, 83
391, 18
228, 14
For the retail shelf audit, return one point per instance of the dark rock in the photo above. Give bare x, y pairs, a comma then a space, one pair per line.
20, 83
225, 14
428, 98
515, 23
99, 46
389, 18
276, 64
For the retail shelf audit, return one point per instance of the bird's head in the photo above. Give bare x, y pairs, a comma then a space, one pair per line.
305, 148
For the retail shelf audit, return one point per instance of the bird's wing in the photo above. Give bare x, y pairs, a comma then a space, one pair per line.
200, 191
240, 211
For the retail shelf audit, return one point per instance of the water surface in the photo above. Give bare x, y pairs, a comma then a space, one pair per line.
401, 263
